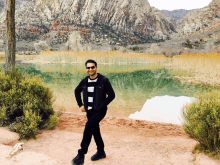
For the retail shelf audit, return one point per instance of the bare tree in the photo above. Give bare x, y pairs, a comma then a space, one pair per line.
10, 36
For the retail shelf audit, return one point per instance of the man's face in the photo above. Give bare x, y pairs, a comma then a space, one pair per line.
91, 69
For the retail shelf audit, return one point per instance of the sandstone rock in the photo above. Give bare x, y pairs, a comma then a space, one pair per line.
99, 22
41, 46
1, 42
199, 19
154, 49
2, 6
159, 36
75, 41
7, 137
176, 14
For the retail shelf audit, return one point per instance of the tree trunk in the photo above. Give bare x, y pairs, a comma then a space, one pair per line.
10, 36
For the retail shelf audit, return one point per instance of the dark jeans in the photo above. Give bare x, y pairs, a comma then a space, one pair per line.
92, 128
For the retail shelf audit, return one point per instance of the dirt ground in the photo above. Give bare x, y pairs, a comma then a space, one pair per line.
127, 142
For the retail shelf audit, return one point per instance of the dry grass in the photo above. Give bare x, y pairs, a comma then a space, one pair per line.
2, 54
203, 68
112, 57
18, 57
2, 57
195, 68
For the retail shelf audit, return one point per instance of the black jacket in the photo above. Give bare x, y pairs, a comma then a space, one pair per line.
101, 89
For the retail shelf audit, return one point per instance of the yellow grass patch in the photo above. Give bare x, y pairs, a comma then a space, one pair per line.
204, 68
196, 68
2, 54
2, 57
111, 57
101, 68
17, 57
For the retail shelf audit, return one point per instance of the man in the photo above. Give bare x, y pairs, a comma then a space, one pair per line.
95, 87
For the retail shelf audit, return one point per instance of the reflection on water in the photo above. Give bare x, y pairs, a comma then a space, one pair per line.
132, 88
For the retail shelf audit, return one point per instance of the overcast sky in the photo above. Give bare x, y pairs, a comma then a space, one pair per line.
178, 4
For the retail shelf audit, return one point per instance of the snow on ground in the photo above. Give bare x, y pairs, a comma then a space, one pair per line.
165, 109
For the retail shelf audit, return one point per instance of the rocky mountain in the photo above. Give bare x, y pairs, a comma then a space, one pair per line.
175, 14
199, 19
83, 24
17, 4
2, 5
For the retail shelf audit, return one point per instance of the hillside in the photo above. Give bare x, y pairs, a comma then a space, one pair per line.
175, 16
105, 26
199, 19
62, 24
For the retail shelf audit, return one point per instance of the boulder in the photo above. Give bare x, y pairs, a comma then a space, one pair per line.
7, 137
41, 46
75, 41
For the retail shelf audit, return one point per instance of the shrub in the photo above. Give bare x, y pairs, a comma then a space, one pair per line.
218, 50
3, 115
196, 44
217, 42
187, 44
27, 125
25, 104
135, 48
202, 121
171, 52
52, 121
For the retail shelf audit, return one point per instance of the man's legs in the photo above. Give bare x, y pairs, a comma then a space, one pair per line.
92, 128
98, 139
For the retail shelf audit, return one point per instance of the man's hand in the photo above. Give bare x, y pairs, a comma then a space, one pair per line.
82, 108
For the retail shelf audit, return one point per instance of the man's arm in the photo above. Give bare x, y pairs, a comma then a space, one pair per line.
110, 92
77, 92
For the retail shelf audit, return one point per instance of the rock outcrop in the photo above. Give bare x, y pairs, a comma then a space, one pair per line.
2, 6
175, 16
98, 22
199, 19
7, 137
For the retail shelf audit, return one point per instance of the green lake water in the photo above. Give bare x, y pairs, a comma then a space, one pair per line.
133, 84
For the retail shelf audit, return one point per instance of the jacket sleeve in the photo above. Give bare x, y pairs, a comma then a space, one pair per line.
110, 92
77, 92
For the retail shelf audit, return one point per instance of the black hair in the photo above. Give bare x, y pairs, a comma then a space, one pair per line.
91, 61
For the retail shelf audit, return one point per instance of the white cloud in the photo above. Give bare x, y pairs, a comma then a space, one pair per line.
177, 4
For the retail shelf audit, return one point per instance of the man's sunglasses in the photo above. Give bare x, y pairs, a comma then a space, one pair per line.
92, 67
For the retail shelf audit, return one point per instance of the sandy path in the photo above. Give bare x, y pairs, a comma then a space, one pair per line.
127, 142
